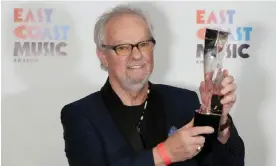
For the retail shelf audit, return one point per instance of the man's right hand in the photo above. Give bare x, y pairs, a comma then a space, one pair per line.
183, 144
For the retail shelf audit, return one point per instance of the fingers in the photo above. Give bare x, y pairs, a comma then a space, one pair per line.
228, 89
227, 80
201, 130
228, 99
189, 125
225, 73
199, 140
194, 149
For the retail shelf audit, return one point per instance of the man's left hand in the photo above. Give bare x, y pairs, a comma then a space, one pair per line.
228, 91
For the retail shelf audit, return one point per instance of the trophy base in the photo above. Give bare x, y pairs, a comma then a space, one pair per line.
208, 119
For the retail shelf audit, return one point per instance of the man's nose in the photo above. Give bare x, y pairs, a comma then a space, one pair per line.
136, 54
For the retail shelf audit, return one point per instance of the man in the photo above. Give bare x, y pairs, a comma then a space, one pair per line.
133, 122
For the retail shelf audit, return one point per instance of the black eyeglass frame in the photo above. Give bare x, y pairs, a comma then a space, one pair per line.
114, 47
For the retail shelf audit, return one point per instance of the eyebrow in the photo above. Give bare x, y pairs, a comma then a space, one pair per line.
119, 42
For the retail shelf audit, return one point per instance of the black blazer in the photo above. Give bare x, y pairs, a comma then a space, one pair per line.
92, 138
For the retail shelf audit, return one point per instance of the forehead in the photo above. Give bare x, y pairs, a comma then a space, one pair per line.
126, 28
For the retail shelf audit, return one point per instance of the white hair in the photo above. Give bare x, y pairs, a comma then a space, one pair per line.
99, 28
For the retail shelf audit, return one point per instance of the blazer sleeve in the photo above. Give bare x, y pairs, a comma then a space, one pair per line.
230, 154
83, 146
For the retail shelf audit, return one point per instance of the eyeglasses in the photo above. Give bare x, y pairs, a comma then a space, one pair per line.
126, 49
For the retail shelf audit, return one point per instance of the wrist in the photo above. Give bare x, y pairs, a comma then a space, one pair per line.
162, 154
223, 119
158, 161
224, 129
225, 122
224, 136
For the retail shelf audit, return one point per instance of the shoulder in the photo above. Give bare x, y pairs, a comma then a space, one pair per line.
79, 107
180, 103
176, 92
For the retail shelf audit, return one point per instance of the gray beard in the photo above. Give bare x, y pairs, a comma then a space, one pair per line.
135, 86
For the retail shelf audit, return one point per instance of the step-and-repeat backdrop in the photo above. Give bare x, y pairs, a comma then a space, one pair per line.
48, 60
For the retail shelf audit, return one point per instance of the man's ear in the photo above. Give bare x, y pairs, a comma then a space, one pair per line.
102, 58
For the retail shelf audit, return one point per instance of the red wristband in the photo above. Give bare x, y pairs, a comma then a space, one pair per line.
161, 150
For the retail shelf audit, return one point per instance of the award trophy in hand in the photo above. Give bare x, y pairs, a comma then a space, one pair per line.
215, 46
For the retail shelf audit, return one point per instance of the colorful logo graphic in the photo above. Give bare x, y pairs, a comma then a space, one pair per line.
37, 36
238, 40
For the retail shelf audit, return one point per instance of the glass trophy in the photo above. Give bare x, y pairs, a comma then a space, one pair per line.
215, 49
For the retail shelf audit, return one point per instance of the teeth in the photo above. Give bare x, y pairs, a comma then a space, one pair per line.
135, 67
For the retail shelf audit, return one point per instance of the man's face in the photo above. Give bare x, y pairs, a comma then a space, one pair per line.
131, 67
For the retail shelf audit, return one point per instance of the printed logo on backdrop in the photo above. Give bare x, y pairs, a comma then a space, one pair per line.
239, 39
37, 36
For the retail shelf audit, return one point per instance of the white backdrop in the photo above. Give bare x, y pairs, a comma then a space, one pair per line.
36, 87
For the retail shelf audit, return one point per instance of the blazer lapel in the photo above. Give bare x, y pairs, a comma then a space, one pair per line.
108, 129
171, 107
171, 127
